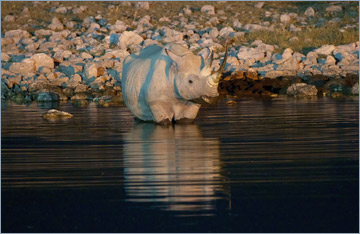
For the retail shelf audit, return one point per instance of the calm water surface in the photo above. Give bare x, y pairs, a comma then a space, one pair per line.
281, 165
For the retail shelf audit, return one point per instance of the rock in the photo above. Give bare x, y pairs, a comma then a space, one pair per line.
43, 33
311, 58
302, 89
187, 11
290, 64
164, 19
259, 5
128, 38
255, 27
213, 33
208, 9
93, 27
226, 31
262, 46
79, 10
275, 74
56, 114
293, 39
142, 5
334, 9
77, 78
310, 12
345, 48
287, 53
25, 12
293, 28
90, 72
80, 96
119, 26
9, 19
62, 10
26, 66
56, 25
285, 18
237, 24
330, 60
250, 53
325, 49
42, 60
85, 55
355, 89
4, 57
60, 55
17, 34
47, 97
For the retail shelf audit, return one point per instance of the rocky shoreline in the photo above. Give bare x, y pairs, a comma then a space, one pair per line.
82, 61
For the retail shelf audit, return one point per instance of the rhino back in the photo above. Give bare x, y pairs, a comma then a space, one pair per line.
145, 77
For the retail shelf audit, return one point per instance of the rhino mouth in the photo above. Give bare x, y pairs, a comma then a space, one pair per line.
205, 100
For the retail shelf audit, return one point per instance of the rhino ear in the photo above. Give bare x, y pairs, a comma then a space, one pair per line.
205, 53
174, 57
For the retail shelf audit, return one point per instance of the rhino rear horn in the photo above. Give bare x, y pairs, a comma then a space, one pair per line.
210, 60
216, 77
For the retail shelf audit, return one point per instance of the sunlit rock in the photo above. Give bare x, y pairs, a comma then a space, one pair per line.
129, 38
325, 49
25, 66
56, 114
62, 10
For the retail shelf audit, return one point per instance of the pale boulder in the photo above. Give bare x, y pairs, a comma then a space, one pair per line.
42, 60
208, 9
285, 18
325, 49
24, 67
129, 38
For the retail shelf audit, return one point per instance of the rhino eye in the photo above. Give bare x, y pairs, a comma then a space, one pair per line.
190, 81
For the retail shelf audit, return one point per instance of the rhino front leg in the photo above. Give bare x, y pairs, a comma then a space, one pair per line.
186, 112
162, 112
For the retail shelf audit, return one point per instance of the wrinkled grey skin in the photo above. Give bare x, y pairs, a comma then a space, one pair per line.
160, 84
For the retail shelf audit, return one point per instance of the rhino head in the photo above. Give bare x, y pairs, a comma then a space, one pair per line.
194, 80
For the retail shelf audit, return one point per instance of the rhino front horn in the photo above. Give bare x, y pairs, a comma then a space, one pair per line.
216, 77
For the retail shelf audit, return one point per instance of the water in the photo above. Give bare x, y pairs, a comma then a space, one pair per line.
281, 165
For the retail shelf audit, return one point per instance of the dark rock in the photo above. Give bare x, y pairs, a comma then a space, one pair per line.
302, 89
47, 97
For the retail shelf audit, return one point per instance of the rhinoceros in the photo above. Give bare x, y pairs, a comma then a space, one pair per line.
166, 84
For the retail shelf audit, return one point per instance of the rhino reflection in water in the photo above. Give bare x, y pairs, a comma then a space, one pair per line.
165, 84
174, 166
